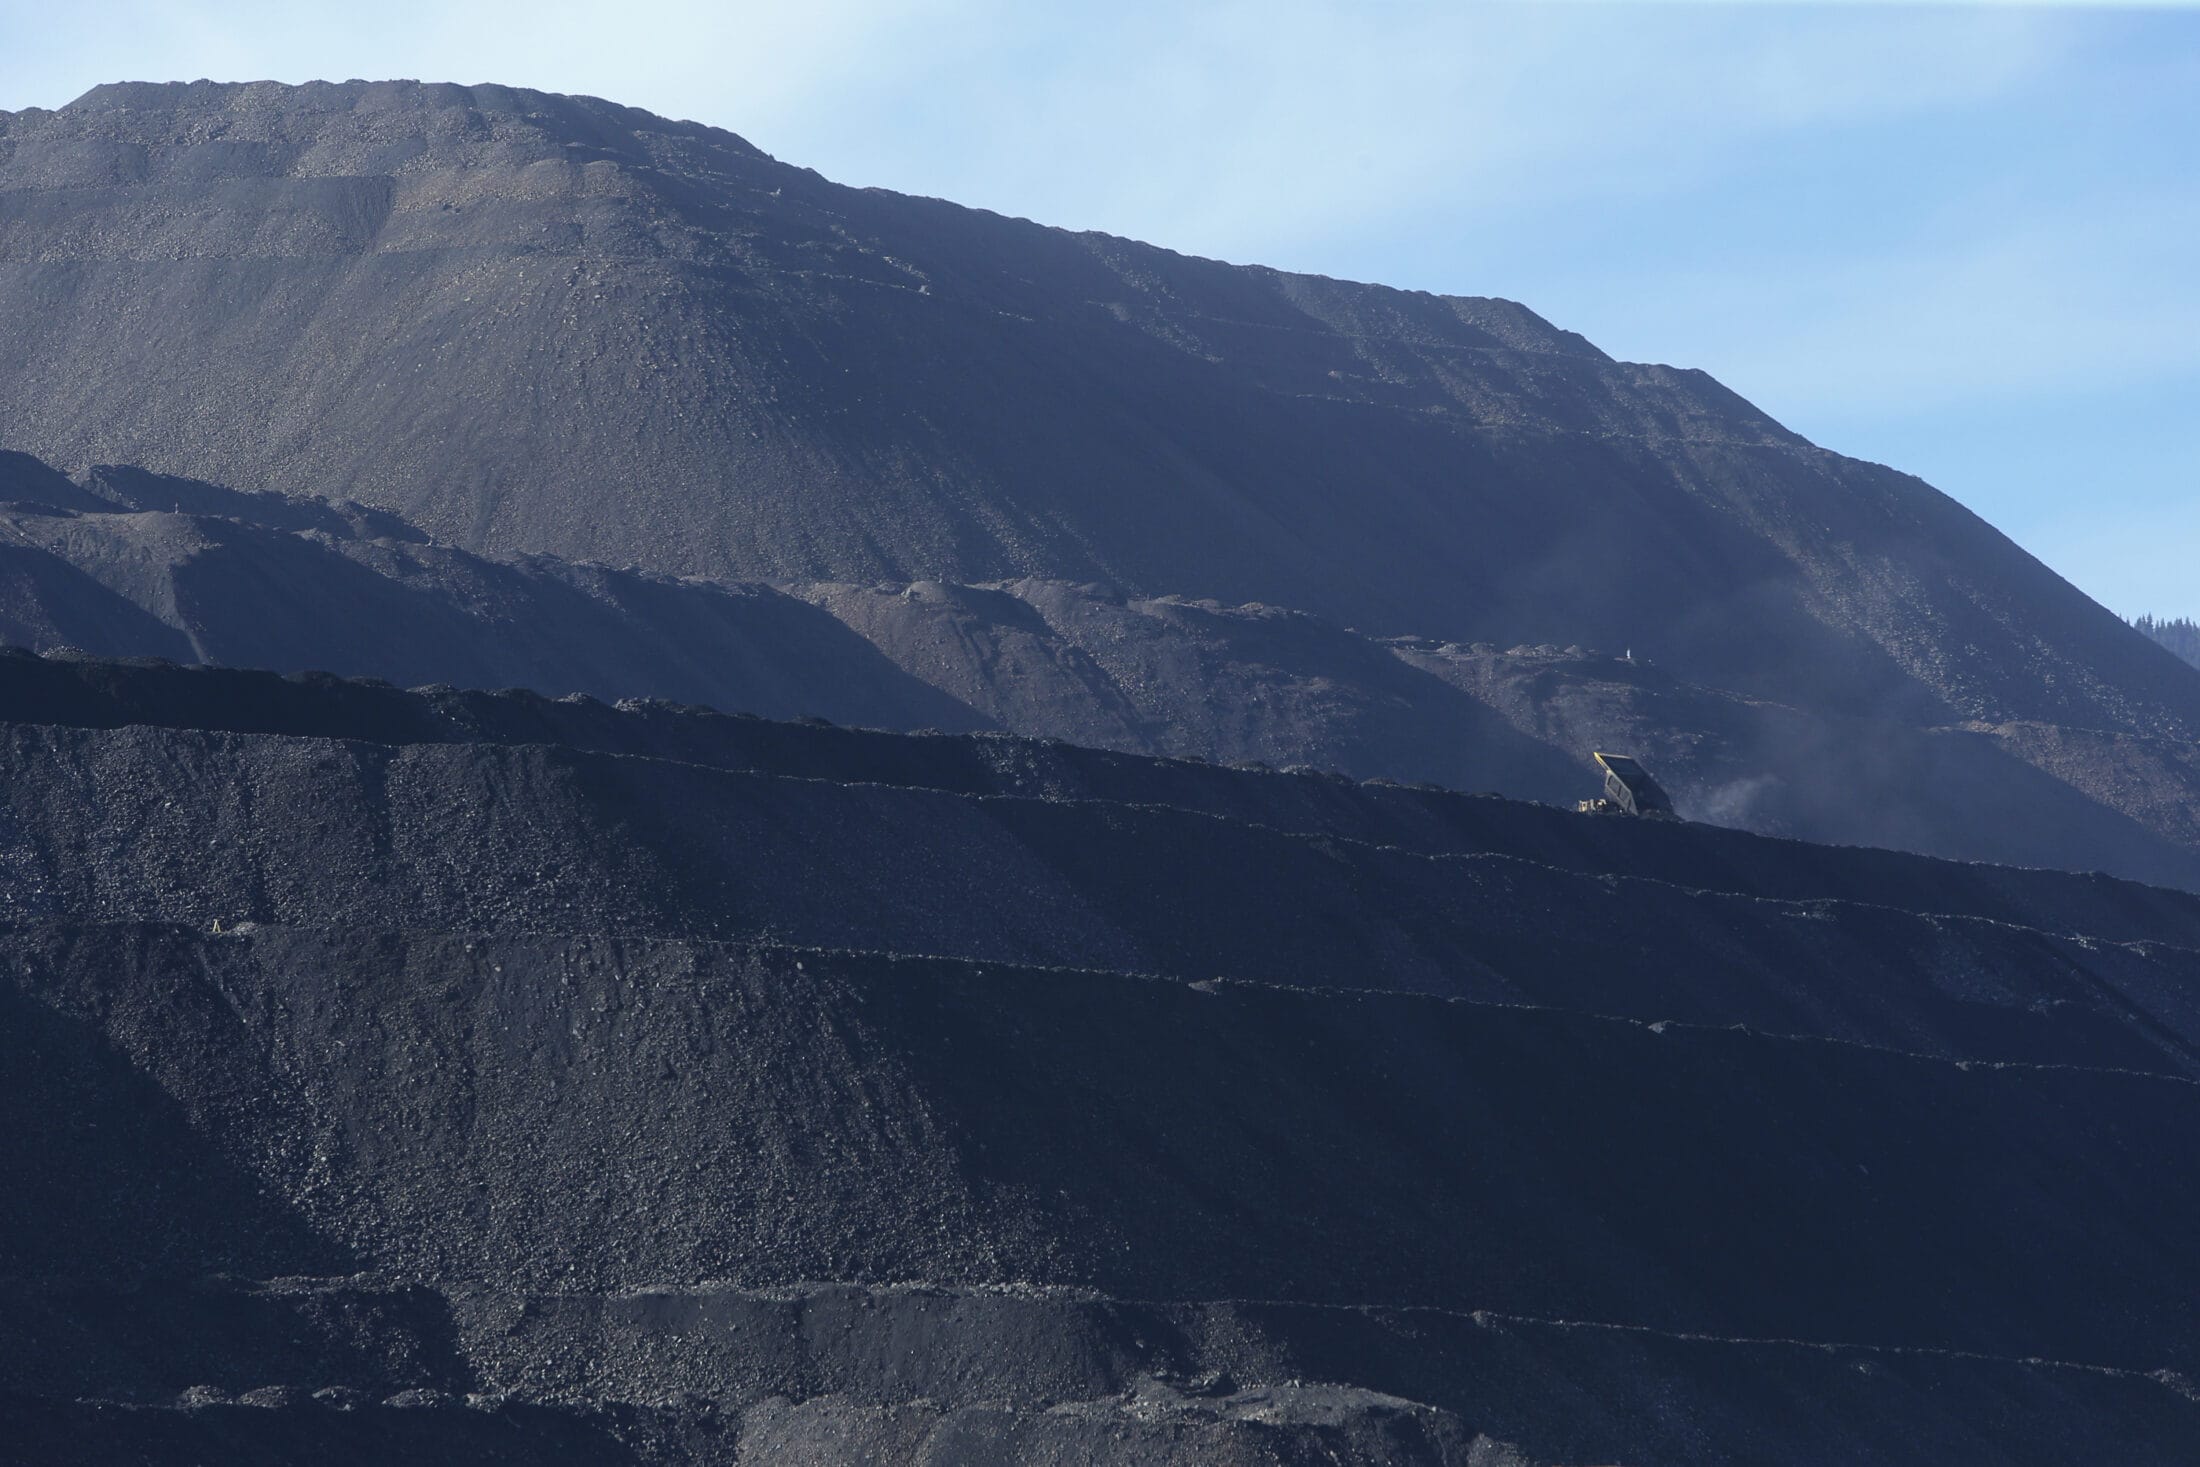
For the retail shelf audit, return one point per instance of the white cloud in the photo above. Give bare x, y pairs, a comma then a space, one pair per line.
1229, 126
1249, 130
2098, 294
718, 61
735, 65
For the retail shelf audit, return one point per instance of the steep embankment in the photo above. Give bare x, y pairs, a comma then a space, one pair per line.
540, 323
127, 563
681, 1087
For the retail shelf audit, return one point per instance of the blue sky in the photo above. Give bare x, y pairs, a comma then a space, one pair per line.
1963, 240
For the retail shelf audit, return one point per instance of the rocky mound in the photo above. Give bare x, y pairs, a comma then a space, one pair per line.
458, 1075
532, 323
123, 562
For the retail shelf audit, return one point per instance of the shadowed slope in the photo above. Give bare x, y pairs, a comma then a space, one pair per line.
694, 1088
172, 567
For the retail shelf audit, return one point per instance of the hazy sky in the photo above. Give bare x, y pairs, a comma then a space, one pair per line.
1963, 240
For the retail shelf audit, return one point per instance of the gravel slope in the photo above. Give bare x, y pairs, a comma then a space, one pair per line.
658, 1086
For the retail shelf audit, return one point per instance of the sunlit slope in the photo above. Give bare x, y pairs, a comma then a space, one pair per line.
538, 323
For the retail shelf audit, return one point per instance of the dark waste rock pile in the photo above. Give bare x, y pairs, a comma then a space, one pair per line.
461, 1076
584, 1076
995, 474
120, 562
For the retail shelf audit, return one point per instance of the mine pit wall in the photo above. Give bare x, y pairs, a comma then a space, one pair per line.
92, 697
588, 1084
720, 1374
334, 835
286, 1104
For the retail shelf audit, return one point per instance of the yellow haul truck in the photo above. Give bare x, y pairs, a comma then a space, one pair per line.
1628, 790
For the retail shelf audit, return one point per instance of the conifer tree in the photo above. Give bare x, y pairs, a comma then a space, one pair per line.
2180, 634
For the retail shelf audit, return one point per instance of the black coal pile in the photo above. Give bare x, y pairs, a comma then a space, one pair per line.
1079, 485
587, 1076
466, 1076
128, 563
